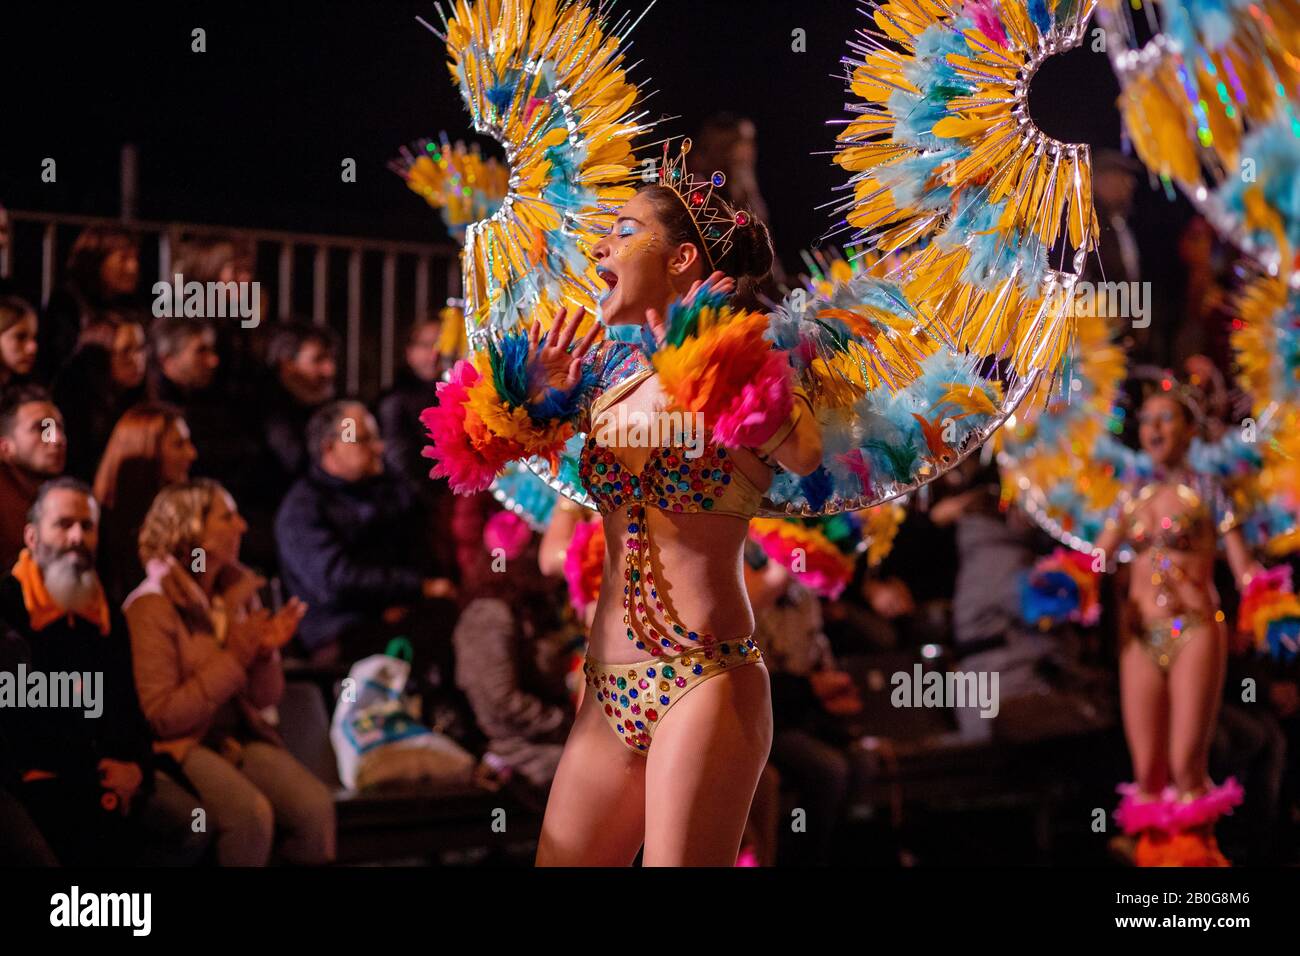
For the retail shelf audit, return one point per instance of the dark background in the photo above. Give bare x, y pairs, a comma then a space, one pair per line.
252, 132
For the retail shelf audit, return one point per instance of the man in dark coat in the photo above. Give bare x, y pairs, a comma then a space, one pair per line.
350, 545
76, 736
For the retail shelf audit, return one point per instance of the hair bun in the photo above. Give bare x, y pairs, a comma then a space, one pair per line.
751, 254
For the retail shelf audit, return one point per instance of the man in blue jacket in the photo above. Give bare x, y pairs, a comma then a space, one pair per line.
350, 545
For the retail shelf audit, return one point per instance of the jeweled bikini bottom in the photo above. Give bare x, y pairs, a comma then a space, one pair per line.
1163, 639
636, 696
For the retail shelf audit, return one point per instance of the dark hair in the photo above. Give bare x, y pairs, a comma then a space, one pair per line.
65, 483
420, 324
323, 425
202, 258
13, 310
14, 398
168, 335
748, 260
288, 339
93, 246
130, 468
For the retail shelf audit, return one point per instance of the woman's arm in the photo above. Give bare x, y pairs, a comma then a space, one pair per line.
176, 707
555, 539
800, 451
1243, 563
1114, 533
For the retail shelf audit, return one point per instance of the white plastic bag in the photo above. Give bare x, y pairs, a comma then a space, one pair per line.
378, 741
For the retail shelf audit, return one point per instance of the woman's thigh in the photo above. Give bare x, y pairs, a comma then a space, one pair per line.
705, 761
1144, 701
297, 794
1195, 688
595, 814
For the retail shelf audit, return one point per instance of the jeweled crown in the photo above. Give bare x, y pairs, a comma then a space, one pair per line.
715, 219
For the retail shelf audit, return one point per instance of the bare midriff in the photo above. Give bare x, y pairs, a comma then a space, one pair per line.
695, 559
1173, 568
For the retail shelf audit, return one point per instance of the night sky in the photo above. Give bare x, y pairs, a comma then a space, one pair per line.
252, 132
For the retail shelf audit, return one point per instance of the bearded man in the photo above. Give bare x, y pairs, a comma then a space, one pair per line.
69, 714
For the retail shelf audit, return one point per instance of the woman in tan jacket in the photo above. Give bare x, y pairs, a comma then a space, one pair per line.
207, 668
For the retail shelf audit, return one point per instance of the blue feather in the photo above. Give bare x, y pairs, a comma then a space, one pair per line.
817, 487
1038, 13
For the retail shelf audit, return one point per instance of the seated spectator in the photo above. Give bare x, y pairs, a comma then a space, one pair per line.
33, 449
17, 339
226, 259
183, 373
91, 785
1044, 690
415, 389
149, 449
185, 358
303, 367
21, 843
810, 695
350, 548
103, 271
513, 647
101, 380
207, 664
398, 412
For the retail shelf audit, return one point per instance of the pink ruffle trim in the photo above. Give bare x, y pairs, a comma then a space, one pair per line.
582, 590
1208, 807
507, 531
1135, 814
456, 460
762, 406
1167, 812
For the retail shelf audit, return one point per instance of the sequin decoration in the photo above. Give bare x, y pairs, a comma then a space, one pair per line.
673, 677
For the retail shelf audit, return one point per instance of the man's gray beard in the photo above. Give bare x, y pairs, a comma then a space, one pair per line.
70, 579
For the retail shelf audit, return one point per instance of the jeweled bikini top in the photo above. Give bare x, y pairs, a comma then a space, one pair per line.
1177, 532
670, 479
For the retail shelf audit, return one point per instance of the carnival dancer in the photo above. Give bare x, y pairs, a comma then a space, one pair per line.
675, 728
1174, 642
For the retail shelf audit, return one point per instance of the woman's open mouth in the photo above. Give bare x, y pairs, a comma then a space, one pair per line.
610, 279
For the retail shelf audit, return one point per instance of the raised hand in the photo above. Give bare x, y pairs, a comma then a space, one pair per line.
557, 362
717, 282
282, 625
122, 779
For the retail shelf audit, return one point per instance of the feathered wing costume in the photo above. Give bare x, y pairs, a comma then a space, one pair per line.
906, 372
1211, 102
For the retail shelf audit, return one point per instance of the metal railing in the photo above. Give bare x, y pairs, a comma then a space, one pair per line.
414, 264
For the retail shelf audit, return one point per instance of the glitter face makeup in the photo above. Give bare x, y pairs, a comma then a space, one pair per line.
638, 244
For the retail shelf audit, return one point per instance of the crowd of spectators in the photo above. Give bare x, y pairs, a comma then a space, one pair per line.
186, 505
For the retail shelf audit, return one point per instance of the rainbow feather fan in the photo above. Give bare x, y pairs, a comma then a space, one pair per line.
1209, 96
1270, 613
822, 552
545, 79
483, 419
946, 160
1266, 342
1049, 452
1061, 587
897, 403
455, 179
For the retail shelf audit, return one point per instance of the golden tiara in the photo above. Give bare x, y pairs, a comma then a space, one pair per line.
715, 219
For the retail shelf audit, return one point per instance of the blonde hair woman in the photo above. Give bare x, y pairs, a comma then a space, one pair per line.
207, 665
